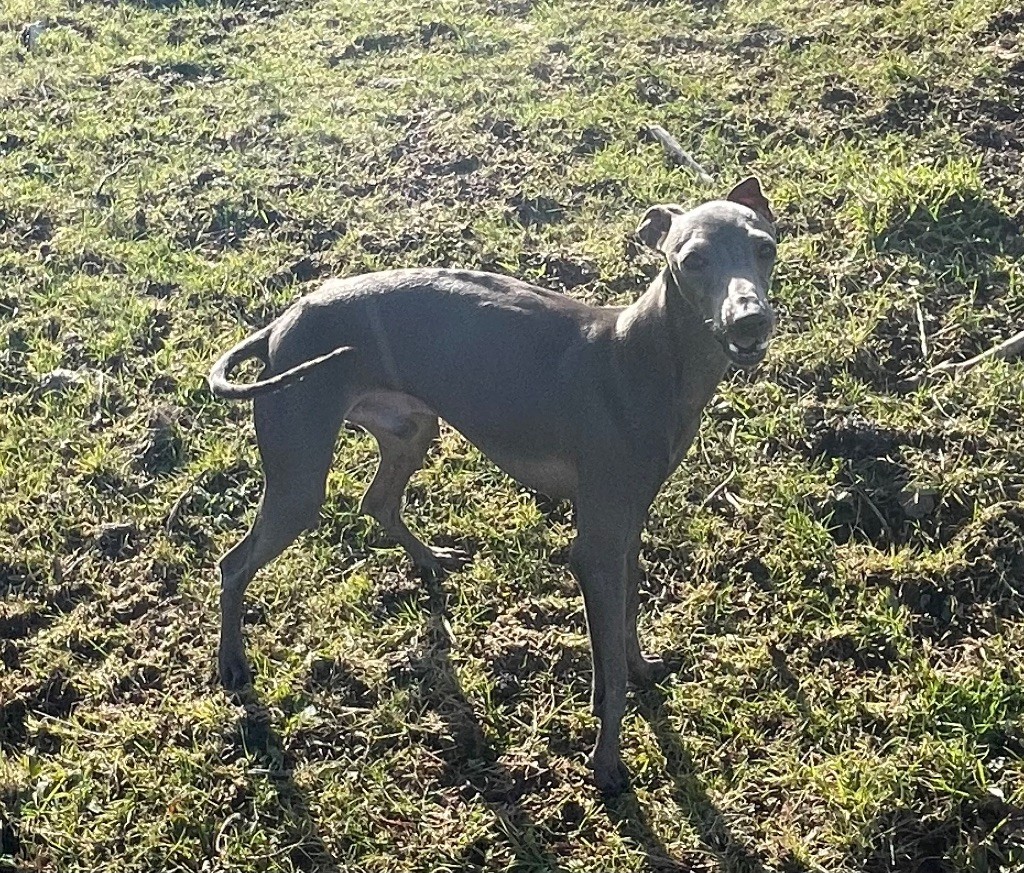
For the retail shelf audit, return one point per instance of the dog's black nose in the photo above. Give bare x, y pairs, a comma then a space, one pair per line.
751, 321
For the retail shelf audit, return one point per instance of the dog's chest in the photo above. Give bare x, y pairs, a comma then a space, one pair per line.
552, 477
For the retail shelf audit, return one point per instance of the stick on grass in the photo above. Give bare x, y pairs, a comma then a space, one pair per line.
676, 153
1004, 351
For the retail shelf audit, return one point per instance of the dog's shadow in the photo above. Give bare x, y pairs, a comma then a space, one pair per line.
689, 795
470, 760
257, 739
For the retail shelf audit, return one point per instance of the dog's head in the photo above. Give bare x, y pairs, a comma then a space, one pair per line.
720, 256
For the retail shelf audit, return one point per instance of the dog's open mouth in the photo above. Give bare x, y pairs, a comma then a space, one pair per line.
745, 351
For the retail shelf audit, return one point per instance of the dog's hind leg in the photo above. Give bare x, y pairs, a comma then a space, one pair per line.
403, 437
296, 438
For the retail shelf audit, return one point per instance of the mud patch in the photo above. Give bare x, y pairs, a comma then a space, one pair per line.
168, 75
654, 92
839, 98
9, 142
854, 439
537, 615
117, 540
23, 229
436, 31
370, 43
426, 163
592, 140
1008, 21
56, 697
154, 332
911, 111
159, 290
760, 37
504, 131
510, 8
305, 269
133, 686
513, 666
395, 593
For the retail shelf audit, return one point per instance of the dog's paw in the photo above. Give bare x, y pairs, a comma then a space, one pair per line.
649, 672
611, 779
234, 672
442, 560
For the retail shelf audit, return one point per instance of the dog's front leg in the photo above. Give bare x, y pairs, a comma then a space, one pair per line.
643, 671
600, 555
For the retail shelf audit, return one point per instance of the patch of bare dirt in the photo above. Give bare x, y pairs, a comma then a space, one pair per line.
304, 269
985, 583
592, 140
169, 76
559, 272
57, 697
510, 8
23, 229
654, 92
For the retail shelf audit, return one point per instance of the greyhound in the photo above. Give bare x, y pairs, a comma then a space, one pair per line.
597, 405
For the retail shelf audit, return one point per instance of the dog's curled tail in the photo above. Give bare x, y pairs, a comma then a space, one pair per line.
257, 346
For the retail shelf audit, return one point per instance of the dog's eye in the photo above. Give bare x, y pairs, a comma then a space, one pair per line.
766, 252
694, 261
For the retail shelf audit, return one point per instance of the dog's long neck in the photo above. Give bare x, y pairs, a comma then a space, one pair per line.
665, 322
676, 359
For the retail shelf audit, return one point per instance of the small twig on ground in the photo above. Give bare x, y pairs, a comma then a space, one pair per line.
174, 516
886, 527
1004, 351
675, 151
98, 192
718, 489
922, 334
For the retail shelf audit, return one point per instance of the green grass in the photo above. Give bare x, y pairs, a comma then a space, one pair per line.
846, 609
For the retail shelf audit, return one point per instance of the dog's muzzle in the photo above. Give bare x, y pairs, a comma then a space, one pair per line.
746, 336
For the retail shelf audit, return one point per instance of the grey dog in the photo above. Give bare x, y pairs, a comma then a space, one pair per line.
597, 405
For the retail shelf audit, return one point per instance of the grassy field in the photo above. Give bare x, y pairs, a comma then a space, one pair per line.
838, 566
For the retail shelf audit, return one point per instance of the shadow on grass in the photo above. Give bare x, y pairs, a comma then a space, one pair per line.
966, 232
963, 245
978, 834
471, 760
725, 852
257, 737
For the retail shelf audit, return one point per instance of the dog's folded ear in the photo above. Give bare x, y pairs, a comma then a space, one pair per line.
654, 226
748, 193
